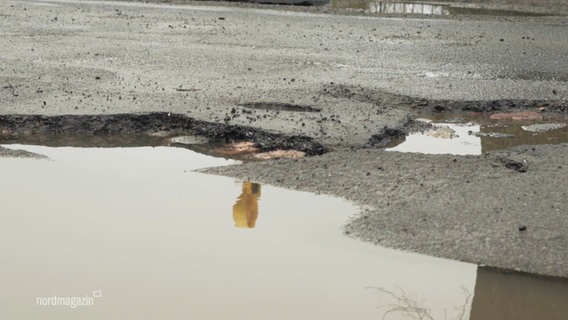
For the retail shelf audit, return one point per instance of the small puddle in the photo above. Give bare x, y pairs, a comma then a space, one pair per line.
408, 8
424, 8
137, 233
474, 134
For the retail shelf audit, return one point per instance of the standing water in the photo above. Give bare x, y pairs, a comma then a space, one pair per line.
475, 134
135, 233
427, 8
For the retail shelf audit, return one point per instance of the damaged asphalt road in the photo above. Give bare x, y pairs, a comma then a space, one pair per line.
337, 85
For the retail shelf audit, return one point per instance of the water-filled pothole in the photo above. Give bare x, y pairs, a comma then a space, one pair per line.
30, 129
243, 150
151, 237
475, 134
425, 8
95, 232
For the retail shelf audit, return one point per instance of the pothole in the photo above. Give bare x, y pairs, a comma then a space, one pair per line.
426, 8
140, 219
474, 134
149, 129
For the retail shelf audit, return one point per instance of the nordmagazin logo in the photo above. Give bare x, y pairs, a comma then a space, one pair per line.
71, 302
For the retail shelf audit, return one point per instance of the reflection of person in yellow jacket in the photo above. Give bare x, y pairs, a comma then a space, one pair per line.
245, 210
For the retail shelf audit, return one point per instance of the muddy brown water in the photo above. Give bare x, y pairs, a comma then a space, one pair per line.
137, 233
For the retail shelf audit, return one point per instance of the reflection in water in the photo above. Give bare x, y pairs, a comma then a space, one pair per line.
389, 7
443, 138
404, 304
508, 295
408, 8
245, 210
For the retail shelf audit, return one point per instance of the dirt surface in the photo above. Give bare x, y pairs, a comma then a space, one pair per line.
334, 84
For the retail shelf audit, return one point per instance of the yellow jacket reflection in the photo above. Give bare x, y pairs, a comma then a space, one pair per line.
245, 210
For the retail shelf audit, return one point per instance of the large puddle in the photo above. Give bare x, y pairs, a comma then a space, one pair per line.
474, 134
135, 233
